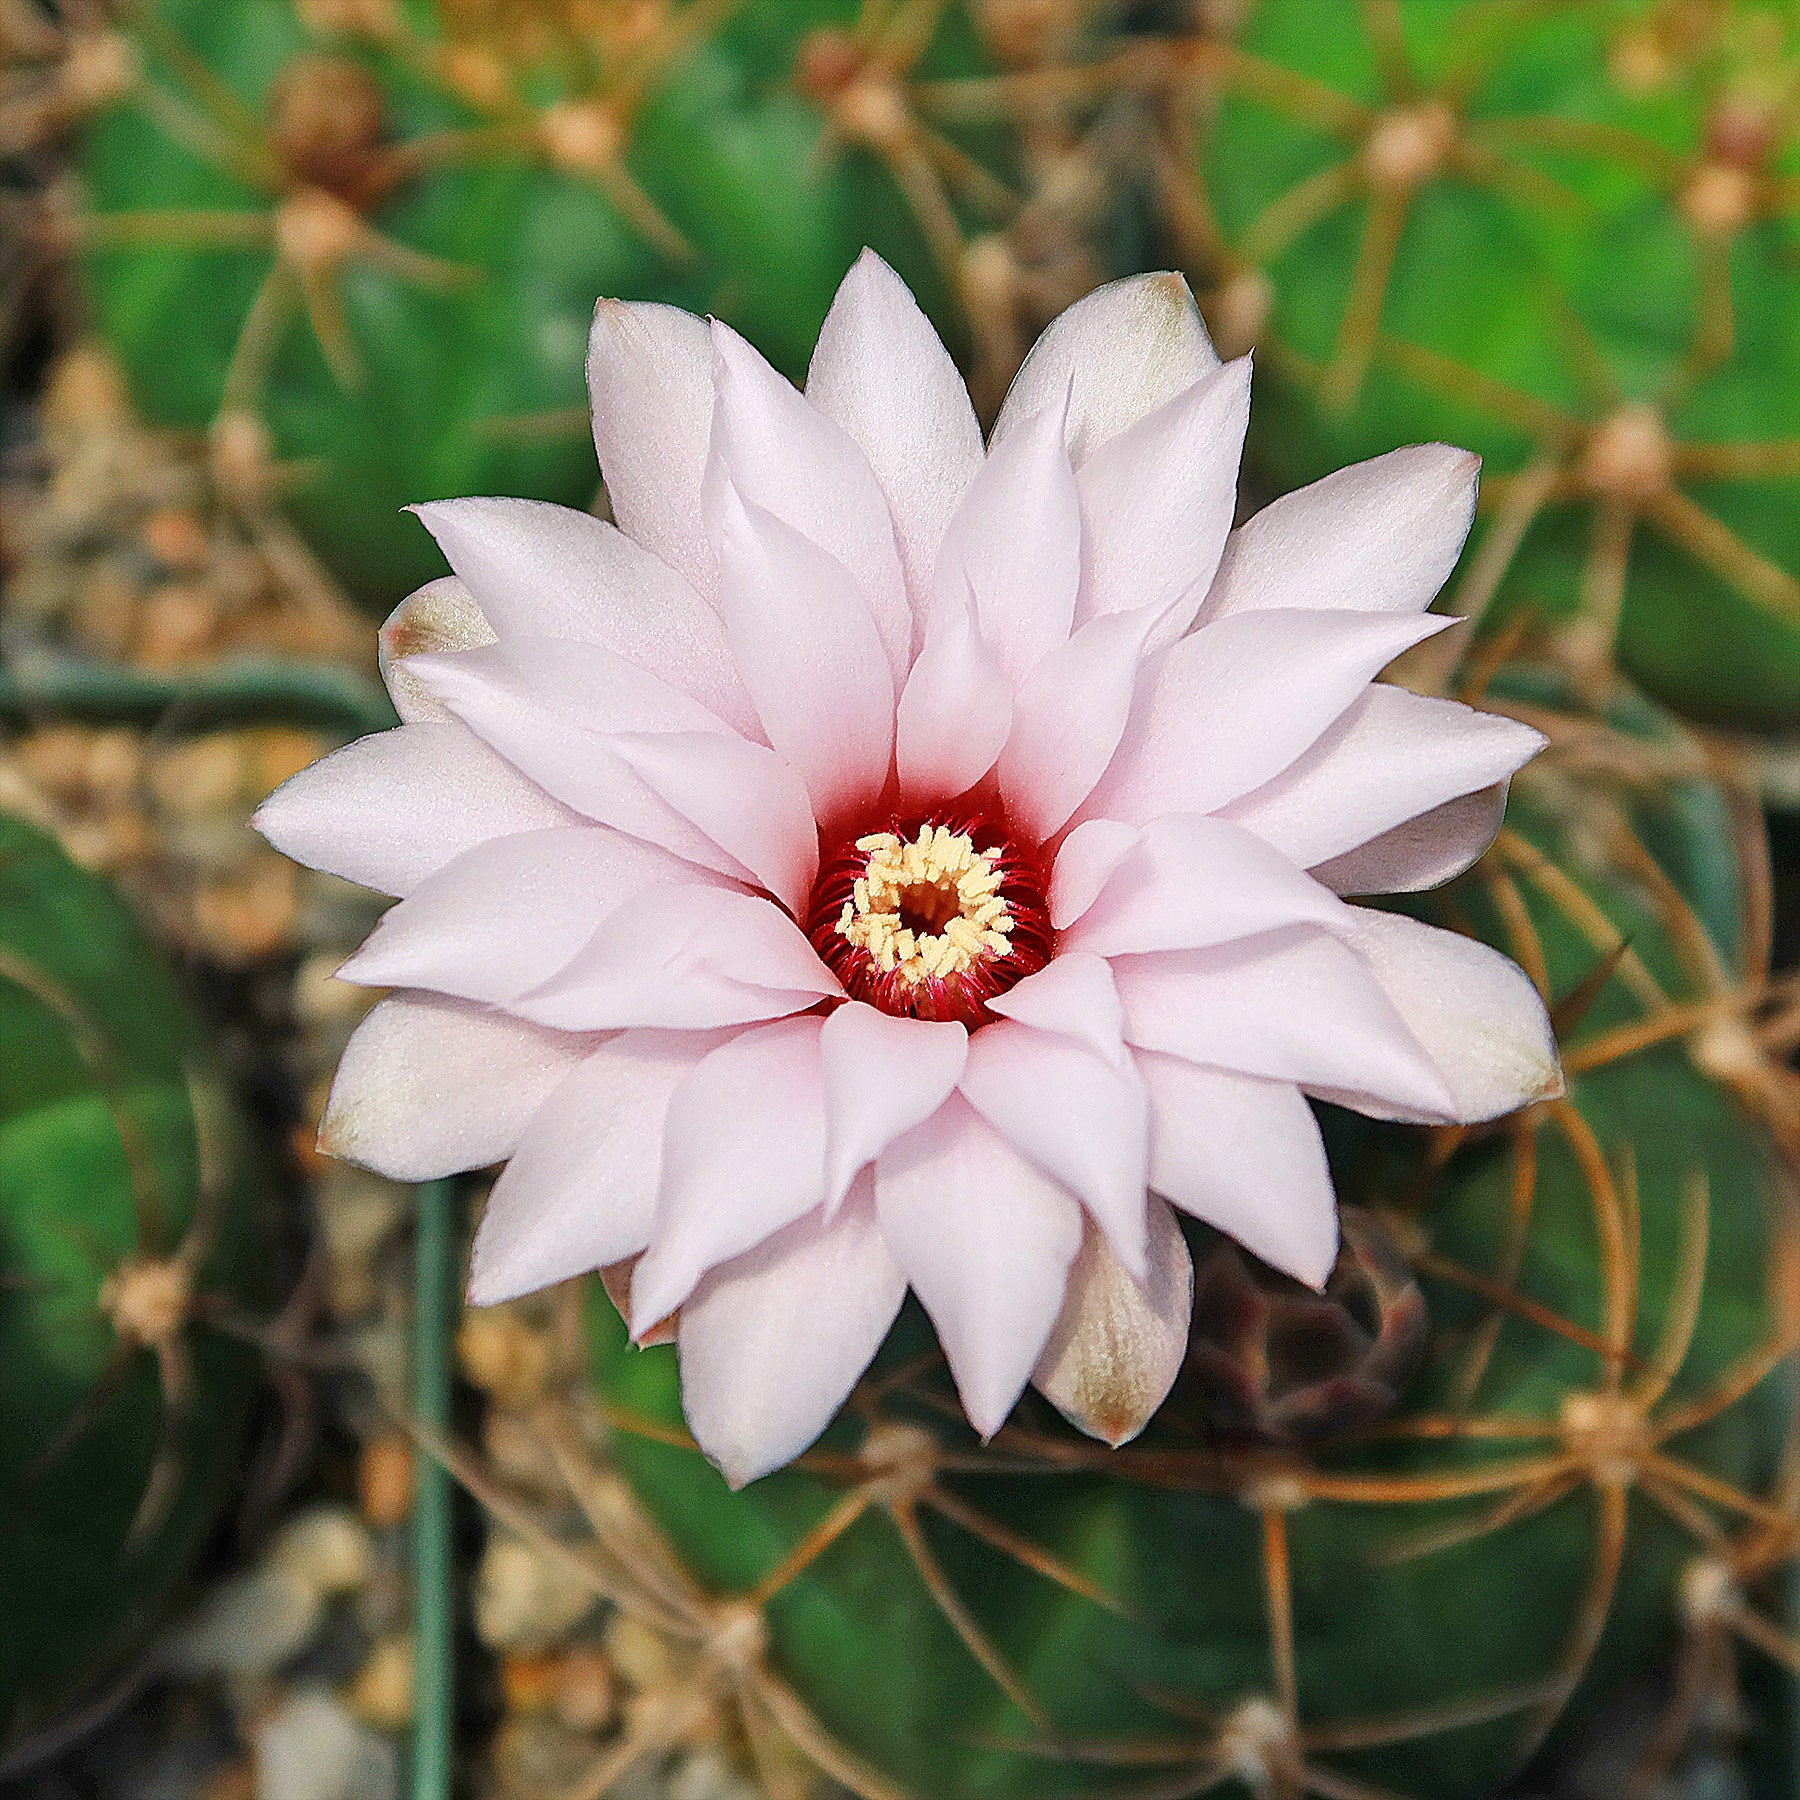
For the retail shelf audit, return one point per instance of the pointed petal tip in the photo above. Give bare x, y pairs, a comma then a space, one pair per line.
731, 350
987, 1426
1118, 1439
642, 1318
350, 969
988, 1412
1121, 1338
484, 1289
495, 1277
741, 1464
1317, 1274
648, 1325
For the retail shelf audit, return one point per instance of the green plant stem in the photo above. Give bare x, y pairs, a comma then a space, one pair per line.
253, 691
434, 1620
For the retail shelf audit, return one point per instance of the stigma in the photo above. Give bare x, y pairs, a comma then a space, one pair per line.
930, 918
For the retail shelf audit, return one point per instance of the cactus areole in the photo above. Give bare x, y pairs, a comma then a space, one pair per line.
375, 230
1562, 241
883, 860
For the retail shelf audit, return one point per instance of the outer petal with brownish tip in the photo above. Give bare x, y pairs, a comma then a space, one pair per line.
1119, 354
1481, 1021
1120, 1341
429, 1086
442, 615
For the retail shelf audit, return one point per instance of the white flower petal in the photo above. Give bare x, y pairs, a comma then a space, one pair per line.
1157, 501
1068, 720
583, 684
986, 1242
883, 1076
1380, 536
684, 959
1073, 994
1246, 1156
505, 916
809, 652
1475, 1011
1421, 853
1194, 881
880, 372
542, 571
772, 1343
1015, 544
1085, 862
430, 1086
787, 457
1233, 704
551, 711
442, 615
650, 385
1120, 1342
1297, 1005
1128, 348
1079, 1116
389, 810
743, 1155
580, 1190
956, 710
742, 797
1393, 756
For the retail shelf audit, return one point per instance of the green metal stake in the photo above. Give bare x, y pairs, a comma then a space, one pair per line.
434, 1613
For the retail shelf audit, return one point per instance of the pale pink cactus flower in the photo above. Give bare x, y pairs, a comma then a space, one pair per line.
881, 860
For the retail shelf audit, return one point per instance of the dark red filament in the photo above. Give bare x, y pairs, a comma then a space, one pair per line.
962, 996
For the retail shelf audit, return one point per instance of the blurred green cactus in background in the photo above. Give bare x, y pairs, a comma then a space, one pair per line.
1400, 1533
1563, 236
131, 1241
360, 241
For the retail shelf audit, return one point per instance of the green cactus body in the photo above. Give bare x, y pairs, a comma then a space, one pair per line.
383, 247
1417, 1603
1565, 241
122, 1213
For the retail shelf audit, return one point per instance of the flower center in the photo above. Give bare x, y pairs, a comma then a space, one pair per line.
931, 919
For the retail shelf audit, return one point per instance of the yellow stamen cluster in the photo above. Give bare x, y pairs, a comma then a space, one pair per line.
926, 909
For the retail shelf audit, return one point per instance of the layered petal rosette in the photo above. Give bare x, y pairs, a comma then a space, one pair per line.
881, 860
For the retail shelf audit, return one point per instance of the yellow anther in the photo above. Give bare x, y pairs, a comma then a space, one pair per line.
929, 908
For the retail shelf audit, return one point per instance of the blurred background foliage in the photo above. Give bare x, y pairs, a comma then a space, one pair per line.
272, 270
